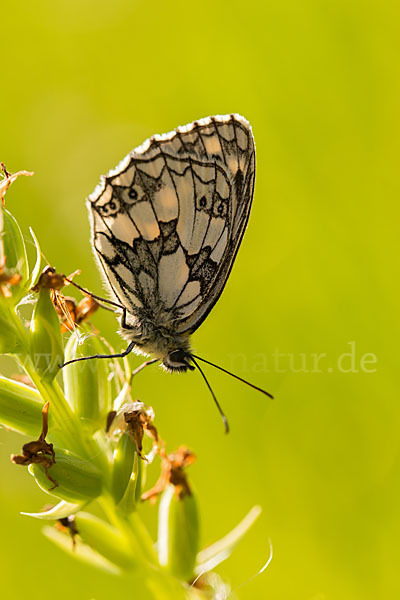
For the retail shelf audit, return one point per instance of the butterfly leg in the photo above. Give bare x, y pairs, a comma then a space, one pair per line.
99, 298
146, 363
124, 323
118, 355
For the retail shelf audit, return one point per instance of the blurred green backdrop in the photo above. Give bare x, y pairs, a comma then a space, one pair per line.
85, 82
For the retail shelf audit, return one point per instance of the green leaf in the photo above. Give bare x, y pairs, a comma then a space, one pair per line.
210, 557
81, 551
78, 480
14, 247
20, 407
128, 503
36, 269
59, 511
8, 333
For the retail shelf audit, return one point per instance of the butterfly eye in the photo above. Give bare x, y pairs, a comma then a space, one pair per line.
178, 360
133, 194
203, 202
177, 355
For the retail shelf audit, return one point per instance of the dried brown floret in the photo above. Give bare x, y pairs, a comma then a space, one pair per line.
38, 452
173, 472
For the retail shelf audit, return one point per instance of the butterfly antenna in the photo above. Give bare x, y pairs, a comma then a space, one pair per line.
221, 412
233, 375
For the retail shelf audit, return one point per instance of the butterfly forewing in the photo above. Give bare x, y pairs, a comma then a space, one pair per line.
168, 221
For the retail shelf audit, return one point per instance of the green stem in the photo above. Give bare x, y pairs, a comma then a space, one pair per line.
133, 530
67, 429
162, 585
66, 425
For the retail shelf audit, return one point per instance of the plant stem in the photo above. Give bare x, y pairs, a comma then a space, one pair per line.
133, 530
66, 428
162, 585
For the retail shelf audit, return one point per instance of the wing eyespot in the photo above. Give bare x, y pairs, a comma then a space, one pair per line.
110, 208
204, 203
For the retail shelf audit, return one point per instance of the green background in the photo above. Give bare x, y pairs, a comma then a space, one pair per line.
85, 82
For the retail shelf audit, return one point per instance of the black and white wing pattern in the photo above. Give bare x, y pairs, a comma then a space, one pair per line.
168, 221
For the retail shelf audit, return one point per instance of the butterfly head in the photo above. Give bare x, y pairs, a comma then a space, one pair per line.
172, 350
177, 361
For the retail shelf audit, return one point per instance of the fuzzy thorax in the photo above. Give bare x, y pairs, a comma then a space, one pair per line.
171, 348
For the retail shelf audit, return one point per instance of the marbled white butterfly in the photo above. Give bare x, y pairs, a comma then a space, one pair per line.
167, 223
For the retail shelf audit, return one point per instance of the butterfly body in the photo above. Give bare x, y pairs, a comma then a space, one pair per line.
166, 226
159, 339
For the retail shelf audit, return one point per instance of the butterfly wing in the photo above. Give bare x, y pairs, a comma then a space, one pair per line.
168, 221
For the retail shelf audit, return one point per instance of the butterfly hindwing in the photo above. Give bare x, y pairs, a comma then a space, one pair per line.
168, 221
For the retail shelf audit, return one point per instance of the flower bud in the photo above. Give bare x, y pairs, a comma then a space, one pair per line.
124, 455
46, 344
178, 533
20, 407
76, 479
86, 384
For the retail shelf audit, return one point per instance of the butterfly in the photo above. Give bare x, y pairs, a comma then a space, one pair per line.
166, 226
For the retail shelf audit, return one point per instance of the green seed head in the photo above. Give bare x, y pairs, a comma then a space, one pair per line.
76, 479
47, 350
124, 455
86, 383
20, 407
178, 533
